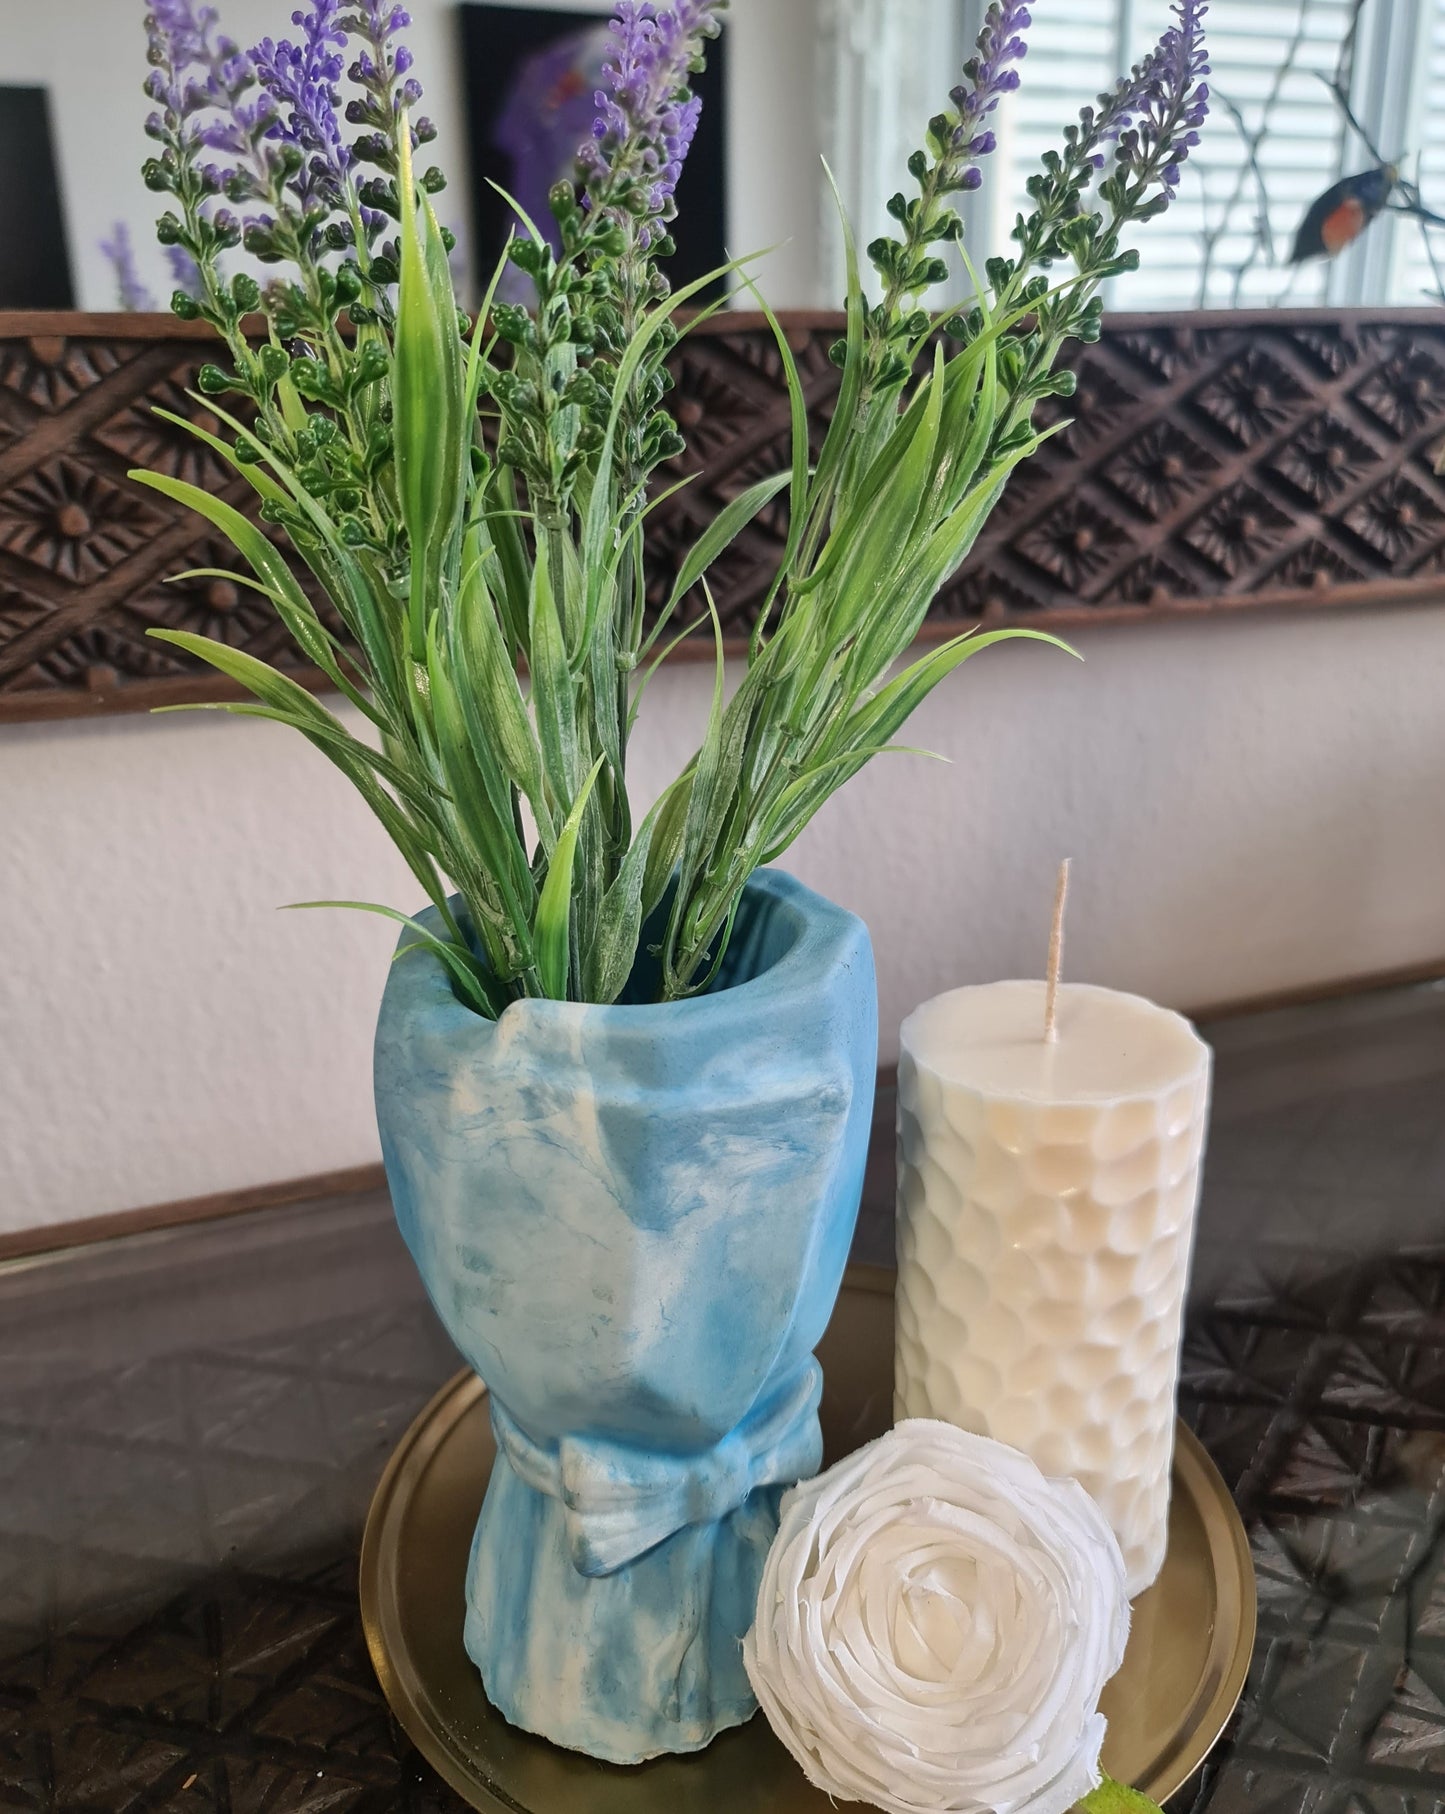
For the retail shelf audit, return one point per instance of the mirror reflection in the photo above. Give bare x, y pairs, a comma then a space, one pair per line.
1322, 180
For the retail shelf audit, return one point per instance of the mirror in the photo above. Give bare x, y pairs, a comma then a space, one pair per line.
1312, 98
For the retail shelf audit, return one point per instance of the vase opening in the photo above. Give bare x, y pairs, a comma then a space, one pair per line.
768, 928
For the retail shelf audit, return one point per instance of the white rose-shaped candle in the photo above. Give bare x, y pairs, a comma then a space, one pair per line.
935, 1624
1047, 1189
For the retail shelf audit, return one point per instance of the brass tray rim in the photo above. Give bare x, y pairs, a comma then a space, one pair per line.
1229, 1551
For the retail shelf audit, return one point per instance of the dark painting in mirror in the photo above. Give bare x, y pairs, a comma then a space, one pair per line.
34, 262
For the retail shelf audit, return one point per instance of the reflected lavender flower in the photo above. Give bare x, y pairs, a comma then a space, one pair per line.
185, 272
175, 44
549, 106
180, 40
646, 124
183, 31
119, 251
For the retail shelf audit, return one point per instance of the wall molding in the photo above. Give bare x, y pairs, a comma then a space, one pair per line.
1216, 462
24, 1245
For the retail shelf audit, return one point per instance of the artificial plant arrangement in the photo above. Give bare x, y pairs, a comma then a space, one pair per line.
624, 1071
454, 558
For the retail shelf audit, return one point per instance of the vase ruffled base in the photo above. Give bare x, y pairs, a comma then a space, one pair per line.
628, 1666
607, 1585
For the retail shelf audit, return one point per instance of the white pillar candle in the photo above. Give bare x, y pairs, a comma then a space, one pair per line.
1046, 1201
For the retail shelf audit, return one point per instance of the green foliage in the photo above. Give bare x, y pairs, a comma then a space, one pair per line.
494, 606
1115, 1798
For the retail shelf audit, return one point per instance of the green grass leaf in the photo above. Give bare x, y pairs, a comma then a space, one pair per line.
350, 582
715, 540
705, 771
800, 446
717, 810
430, 437
476, 362
255, 475
613, 951
483, 804
334, 670
332, 738
1114, 1798
277, 580
471, 981
878, 718
503, 524
598, 540
840, 429
554, 697
491, 697
669, 816
887, 528
553, 930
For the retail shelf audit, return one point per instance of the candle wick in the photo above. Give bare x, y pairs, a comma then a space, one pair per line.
1056, 956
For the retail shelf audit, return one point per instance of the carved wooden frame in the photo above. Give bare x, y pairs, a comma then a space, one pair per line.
1215, 462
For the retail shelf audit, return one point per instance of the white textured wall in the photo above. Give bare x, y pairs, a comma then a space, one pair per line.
1252, 804
91, 55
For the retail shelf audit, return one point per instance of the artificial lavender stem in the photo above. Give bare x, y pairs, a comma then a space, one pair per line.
302, 80
179, 43
1155, 114
957, 141
647, 118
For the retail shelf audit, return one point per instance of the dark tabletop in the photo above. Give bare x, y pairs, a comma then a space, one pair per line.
191, 1425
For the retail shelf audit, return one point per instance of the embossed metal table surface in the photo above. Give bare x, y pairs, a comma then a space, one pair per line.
191, 1426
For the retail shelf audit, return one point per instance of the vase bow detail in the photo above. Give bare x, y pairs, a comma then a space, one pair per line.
620, 1501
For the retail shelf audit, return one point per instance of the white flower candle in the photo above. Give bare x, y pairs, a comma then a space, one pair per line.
935, 1623
1046, 1200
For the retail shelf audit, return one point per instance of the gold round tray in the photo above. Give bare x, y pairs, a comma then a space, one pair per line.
1188, 1654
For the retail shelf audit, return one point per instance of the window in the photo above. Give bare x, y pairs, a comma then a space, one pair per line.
1277, 138
1415, 277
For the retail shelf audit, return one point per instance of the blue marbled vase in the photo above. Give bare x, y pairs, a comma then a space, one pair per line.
633, 1222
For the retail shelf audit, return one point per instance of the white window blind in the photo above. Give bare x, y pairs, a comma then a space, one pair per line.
1423, 142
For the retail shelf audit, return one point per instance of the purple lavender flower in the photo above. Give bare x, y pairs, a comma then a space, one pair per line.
646, 124
383, 69
991, 74
199, 80
131, 293
302, 83
175, 44
1154, 114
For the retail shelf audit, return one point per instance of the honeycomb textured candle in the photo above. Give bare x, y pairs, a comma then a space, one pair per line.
1046, 1202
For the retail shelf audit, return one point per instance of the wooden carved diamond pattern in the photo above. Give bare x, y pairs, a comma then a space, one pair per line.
73, 522
1273, 458
1213, 460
